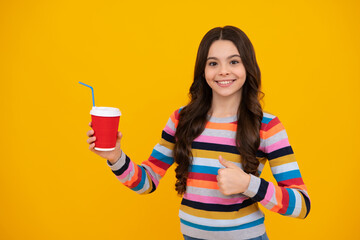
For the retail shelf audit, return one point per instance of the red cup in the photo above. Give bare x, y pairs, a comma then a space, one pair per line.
105, 123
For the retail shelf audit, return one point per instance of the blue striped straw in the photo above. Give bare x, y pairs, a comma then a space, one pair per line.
92, 90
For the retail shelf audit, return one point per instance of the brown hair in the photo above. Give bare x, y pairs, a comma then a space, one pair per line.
193, 117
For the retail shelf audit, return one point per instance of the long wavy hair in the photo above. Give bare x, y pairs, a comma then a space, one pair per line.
194, 116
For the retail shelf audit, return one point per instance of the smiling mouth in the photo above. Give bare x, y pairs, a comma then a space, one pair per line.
225, 83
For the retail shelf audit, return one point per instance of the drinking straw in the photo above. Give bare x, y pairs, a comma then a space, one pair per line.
92, 90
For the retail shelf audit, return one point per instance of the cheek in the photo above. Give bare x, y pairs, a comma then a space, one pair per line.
209, 73
244, 74
209, 77
241, 72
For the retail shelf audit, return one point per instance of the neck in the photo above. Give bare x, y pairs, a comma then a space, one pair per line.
225, 106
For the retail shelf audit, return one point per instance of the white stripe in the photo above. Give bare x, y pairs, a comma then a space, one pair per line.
164, 150
210, 162
211, 192
253, 187
273, 201
220, 222
277, 137
145, 187
131, 173
270, 205
218, 133
268, 115
151, 172
171, 125
223, 235
285, 168
120, 162
305, 192
261, 167
262, 143
298, 204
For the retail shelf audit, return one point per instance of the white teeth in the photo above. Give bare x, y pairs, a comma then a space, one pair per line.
224, 82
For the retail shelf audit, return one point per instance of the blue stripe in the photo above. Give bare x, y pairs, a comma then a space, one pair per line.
292, 202
204, 169
287, 175
142, 182
216, 229
161, 157
266, 120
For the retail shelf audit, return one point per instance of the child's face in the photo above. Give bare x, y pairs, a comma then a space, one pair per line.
224, 70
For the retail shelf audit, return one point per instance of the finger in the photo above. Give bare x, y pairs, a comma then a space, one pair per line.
221, 189
90, 133
218, 178
89, 124
225, 163
91, 140
119, 136
91, 147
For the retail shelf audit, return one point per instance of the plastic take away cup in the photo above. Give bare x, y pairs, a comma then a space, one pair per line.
105, 123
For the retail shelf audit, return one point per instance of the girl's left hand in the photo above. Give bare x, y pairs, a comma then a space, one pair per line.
232, 179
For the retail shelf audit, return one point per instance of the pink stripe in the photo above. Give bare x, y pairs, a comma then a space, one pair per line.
156, 182
218, 140
269, 194
215, 200
261, 148
126, 172
278, 145
169, 130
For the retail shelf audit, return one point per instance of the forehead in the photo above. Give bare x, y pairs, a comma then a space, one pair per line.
222, 48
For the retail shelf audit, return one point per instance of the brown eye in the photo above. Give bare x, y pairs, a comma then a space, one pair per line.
212, 63
234, 62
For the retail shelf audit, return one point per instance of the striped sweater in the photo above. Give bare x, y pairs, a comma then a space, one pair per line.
205, 212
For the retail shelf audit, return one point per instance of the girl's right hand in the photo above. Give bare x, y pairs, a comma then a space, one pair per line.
113, 155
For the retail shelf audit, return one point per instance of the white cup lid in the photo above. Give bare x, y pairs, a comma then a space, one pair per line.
105, 112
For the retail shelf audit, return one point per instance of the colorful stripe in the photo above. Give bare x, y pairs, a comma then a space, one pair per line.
208, 228
205, 212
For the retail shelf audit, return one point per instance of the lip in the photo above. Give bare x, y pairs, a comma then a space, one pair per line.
231, 81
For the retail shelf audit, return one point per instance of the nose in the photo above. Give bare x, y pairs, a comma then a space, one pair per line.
224, 71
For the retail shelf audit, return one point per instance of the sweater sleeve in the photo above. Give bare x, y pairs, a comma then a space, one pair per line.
144, 178
289, 197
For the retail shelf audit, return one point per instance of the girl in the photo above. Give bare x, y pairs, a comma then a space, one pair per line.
220, 142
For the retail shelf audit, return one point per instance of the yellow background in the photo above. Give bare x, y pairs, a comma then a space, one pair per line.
139, 56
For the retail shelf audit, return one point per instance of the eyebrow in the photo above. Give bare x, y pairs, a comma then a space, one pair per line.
235, 55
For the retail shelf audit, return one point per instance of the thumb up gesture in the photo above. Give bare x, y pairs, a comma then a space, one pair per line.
231, 179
